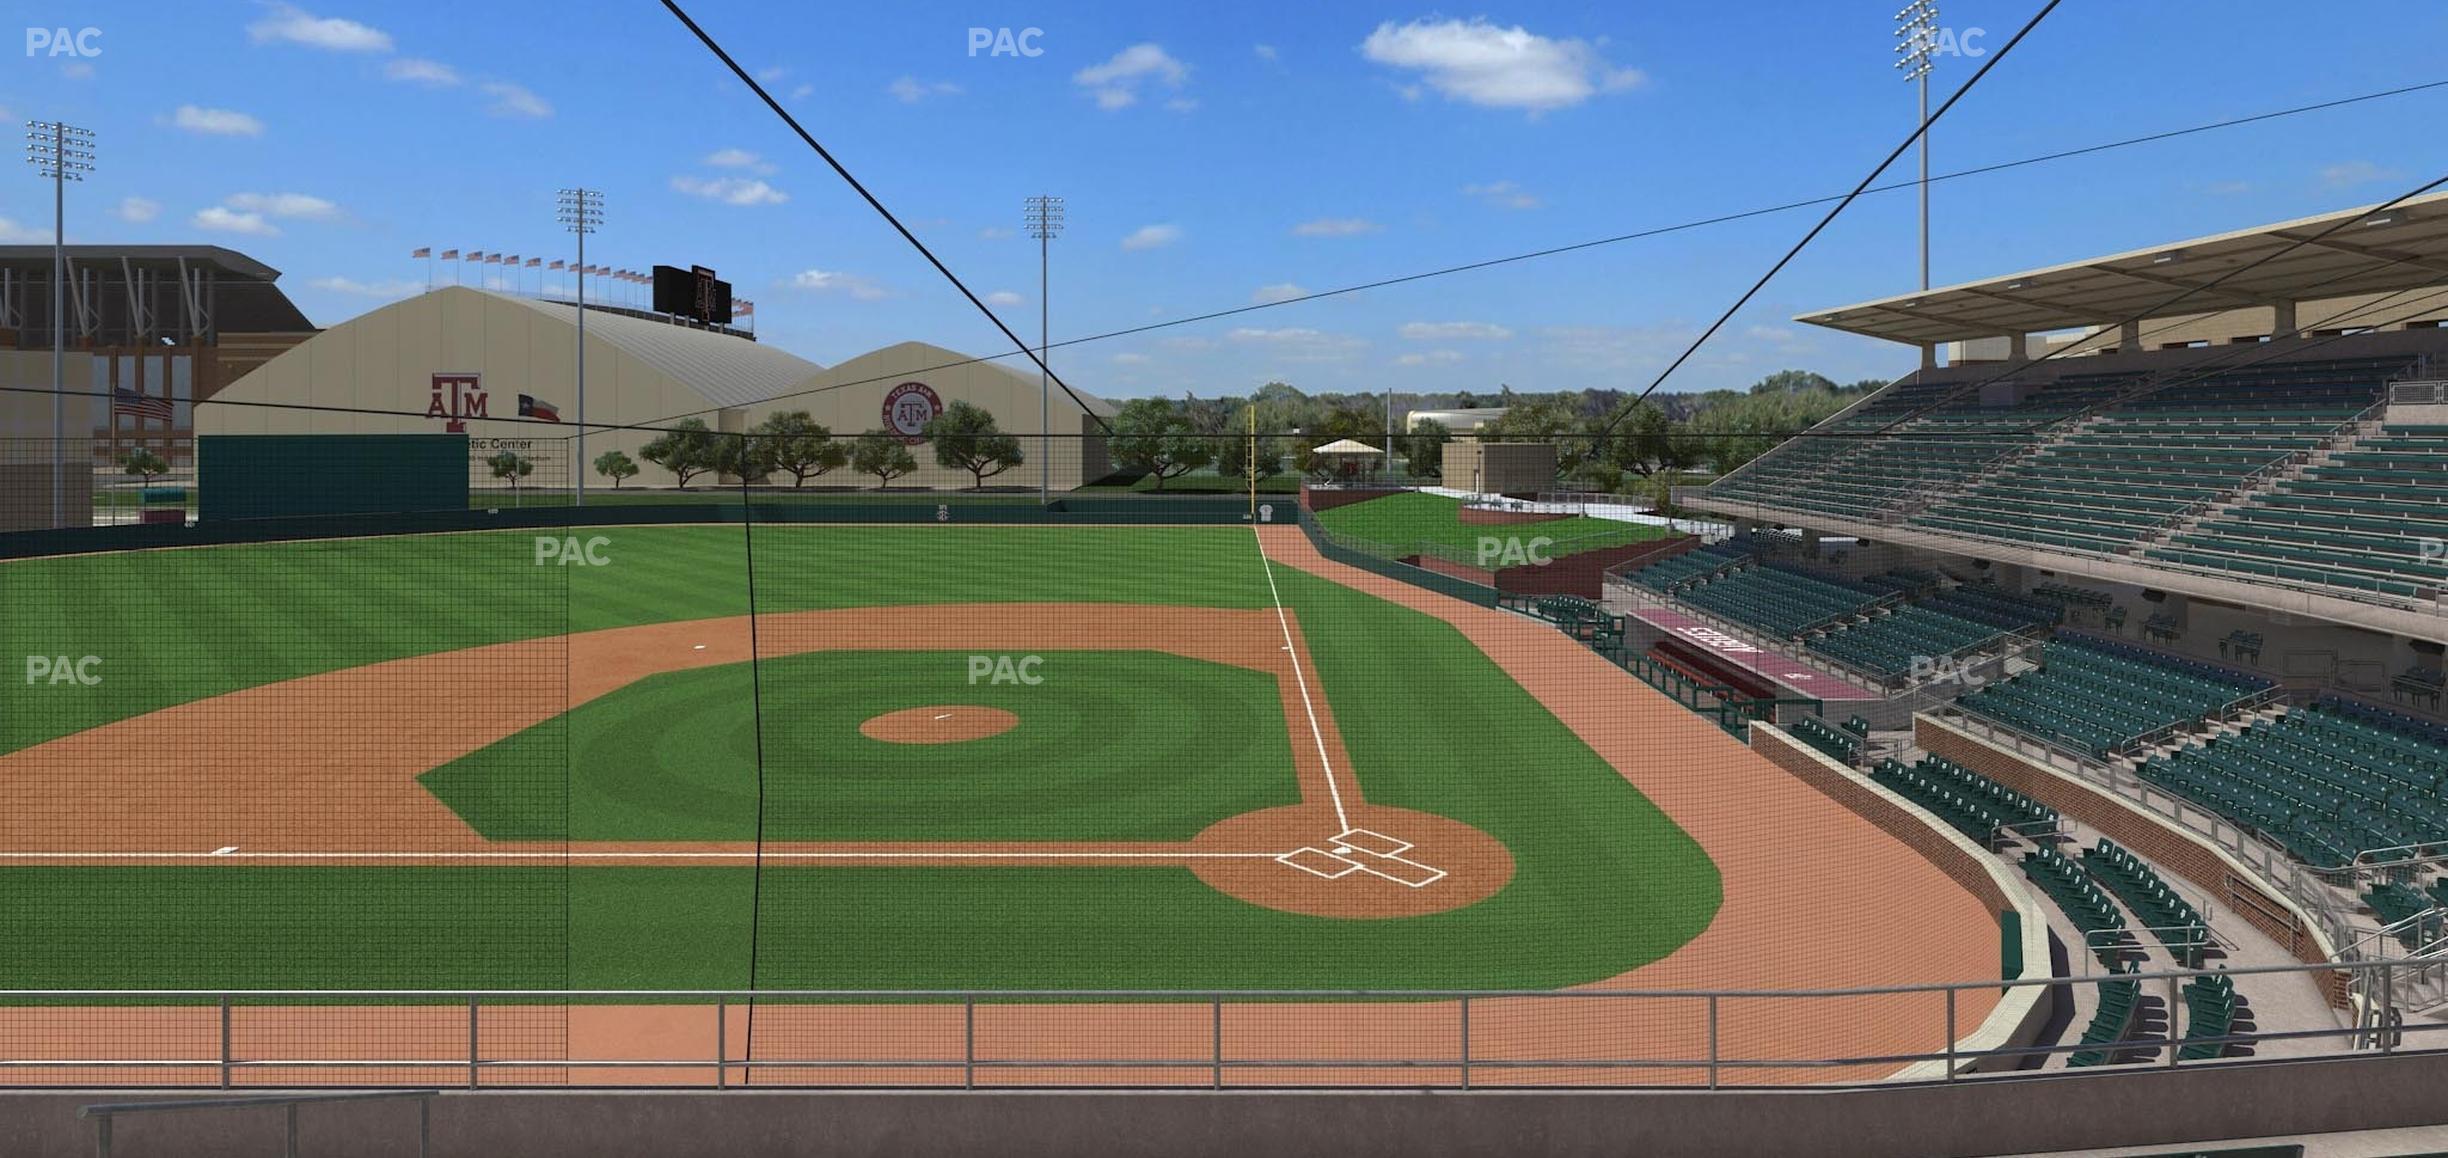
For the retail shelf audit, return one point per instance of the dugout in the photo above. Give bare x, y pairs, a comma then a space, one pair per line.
264, 476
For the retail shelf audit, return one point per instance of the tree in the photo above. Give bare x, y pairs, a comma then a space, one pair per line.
1149, 436
743, 457
687, 450
1424, 447
966, 438
796, 443
144, 464
512, 466
616, 466
882, 454
1643, 443
1791, 382
1233, 459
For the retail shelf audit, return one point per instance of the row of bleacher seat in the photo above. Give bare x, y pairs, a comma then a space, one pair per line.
2168, 916
2420, 922
1841, 743
2000, 609
1974, 804
2371, 518
1667, 574
2099, 697
2082, 900
1889, 647
2327, 782
1779, 600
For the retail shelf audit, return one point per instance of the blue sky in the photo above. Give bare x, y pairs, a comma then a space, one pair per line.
1213, 156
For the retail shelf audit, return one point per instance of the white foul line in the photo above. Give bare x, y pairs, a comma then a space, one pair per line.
1294, 654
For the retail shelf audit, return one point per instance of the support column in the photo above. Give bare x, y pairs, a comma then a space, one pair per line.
2129, 337
2282, 321
1929, 355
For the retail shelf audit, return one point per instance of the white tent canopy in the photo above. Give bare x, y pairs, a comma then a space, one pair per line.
1345, 446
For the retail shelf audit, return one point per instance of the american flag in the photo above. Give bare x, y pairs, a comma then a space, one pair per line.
126, 401
533, 262
743, 307
450, 255
422, 251
558, 264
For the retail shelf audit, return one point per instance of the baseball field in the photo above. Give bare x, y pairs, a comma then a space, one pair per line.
997, 757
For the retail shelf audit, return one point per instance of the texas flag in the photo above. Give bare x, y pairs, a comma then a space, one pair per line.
541, 411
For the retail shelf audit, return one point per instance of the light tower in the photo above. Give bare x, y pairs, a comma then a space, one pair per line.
1045, 220
64, 153
1916, 42
581, 213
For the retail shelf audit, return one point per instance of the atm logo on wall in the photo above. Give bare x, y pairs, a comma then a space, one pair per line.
457, 398
908, 407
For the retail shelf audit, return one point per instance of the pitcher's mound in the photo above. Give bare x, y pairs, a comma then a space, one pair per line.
939, 724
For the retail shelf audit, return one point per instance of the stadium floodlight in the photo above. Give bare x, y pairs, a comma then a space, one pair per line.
581, 212
1916, 43
64, 153
1045, 220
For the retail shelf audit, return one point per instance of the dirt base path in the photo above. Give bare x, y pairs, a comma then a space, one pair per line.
1814, 897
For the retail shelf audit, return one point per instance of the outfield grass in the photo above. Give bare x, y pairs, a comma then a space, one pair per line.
1411, 518
1604, 882
174, 626
1114, 745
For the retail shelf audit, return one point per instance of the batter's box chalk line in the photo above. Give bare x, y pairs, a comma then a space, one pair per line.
1360, 850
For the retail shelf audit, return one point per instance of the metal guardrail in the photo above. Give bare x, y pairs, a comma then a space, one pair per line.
105, 1115
1462, 1063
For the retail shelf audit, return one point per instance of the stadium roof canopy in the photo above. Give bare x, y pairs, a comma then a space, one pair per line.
2370, 252
727, 370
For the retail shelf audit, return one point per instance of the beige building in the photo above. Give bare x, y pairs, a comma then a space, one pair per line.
458, 359
899, 387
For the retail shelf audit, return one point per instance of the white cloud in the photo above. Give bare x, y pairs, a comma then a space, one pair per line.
226, 221
1455, 331
835, 282
2350, 173
388, 288
1128, 359
909, 90
1778, 335
77, 69
802, 92
1615, 347
730, 190
1300, 343
738, 159
137, 210
510, 100
12, 233
1004, 298
1503, 194
2228, 188
1481, 63
419, 71
1282, 291
772, 73
1117, 82
217, 122
1152, 237
297, 205
294, 25
1265, 52
1430, 358
994, 233
1335, 227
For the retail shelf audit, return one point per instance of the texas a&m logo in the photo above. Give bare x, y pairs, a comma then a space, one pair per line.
457, 398
908, 407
